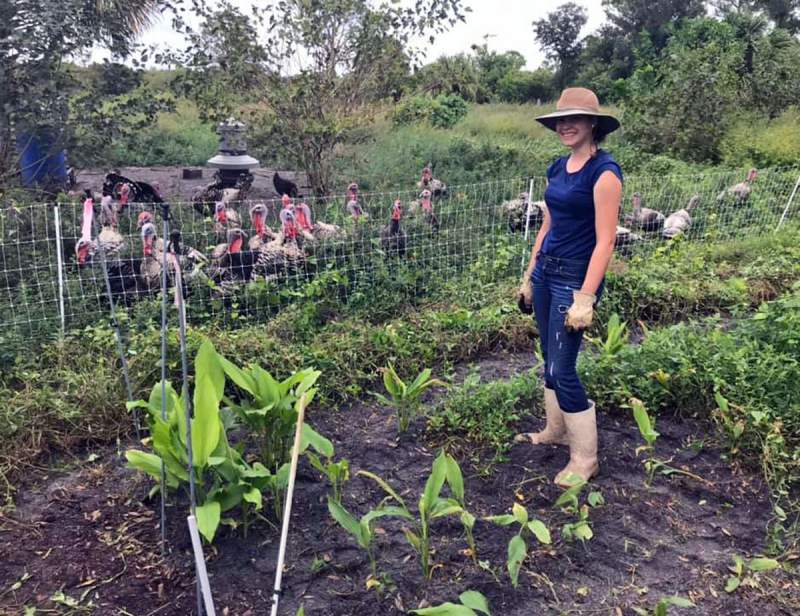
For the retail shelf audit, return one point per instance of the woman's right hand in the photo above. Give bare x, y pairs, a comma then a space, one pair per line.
526, 294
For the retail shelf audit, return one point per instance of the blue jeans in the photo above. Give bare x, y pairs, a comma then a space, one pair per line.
554, 279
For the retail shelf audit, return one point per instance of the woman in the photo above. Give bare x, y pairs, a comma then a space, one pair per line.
565, 275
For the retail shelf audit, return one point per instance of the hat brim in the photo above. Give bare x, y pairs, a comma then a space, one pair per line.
606, 123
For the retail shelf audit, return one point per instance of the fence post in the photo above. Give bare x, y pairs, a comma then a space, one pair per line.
788, 204
528, 212
60, 265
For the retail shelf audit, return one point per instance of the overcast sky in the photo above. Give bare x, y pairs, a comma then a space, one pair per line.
507, 22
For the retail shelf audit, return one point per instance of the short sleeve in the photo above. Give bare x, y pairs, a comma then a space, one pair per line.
609, 164
553, 168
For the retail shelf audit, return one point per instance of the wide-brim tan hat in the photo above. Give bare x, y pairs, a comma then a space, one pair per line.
580, 101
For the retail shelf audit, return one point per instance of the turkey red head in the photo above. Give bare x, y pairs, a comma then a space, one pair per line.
288, 223
397, 210
258, 214
751, 175
83, 250
144, 218
425, 200
303, 215
352, 190
286, 201
148, 238
427, 175
236, 239
220, 215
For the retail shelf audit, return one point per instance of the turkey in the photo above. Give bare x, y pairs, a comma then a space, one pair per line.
427, 181
205, 198
680, 221
426, 207
109, 238
284, 186
321, 231
644, 218
235, 266
356, 212
514, 211
225, 218
393, 238
625, 240
263, 234
190, 259
740, 192
138, 192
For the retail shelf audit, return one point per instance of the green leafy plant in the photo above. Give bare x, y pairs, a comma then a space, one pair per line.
223, 479
337, 473
405, 398
431, 505
517, 547
472, 602
362, 528
740, 570
616, 337
268, 410
569, 501
646, 425
662, 606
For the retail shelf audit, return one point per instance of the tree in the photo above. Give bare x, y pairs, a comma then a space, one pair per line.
326, 65
634, 16
557, 35
607, 60
450, 75
785, 13
526, 86
493, 67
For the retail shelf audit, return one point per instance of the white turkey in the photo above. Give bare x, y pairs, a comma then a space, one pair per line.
644, 218
679, 222
740, 192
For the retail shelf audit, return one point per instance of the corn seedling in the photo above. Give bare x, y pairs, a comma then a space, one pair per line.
653, 465
569, 501
405, 398
616, 337
472, 603
517, 547
431, 505
740, 569
662, 606
337, 473
362, 529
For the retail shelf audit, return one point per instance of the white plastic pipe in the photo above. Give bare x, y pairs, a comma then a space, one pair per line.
525, 251
200, 566
60, 269
788, 204
287, 510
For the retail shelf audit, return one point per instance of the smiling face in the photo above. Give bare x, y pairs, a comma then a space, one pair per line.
575, 131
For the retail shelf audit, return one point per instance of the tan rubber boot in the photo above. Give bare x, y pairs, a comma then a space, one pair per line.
554, 433
582, 436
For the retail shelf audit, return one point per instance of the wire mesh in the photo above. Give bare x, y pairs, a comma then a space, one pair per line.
346, 256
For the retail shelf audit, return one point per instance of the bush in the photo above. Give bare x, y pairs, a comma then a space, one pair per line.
763, 143
526, 86
443, 111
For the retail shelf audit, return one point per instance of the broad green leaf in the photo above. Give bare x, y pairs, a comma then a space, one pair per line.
520, 514
383, 399
253, 496
147, 463
540, 531
570, 495
382, 512
475, 600
454, 478
467, 519
445, 506
346, 520
732, 583
643, 421
763, 564
517, 551
392, 383
206, 423
676, 601
445, 609
413, 539
242, 379
433, 486
311, 437
595, 499
502, 520
386, 487
416, 384
163, 445
583, 532
207, 365
208, 515
301, 611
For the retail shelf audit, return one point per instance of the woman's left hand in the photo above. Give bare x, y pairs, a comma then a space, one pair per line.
579, 315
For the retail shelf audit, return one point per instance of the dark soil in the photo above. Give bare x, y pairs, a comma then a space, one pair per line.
89, 534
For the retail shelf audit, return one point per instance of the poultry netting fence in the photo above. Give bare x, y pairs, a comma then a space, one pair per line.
60, 271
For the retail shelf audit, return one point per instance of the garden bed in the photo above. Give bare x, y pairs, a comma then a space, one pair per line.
87, 534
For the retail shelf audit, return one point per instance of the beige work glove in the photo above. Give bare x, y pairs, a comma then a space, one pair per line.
579, 315
525, 300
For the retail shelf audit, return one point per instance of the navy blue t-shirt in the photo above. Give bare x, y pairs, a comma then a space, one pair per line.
570, 202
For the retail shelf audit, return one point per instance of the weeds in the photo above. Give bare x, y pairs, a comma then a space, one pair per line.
744, 573
580, 528
662, 607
